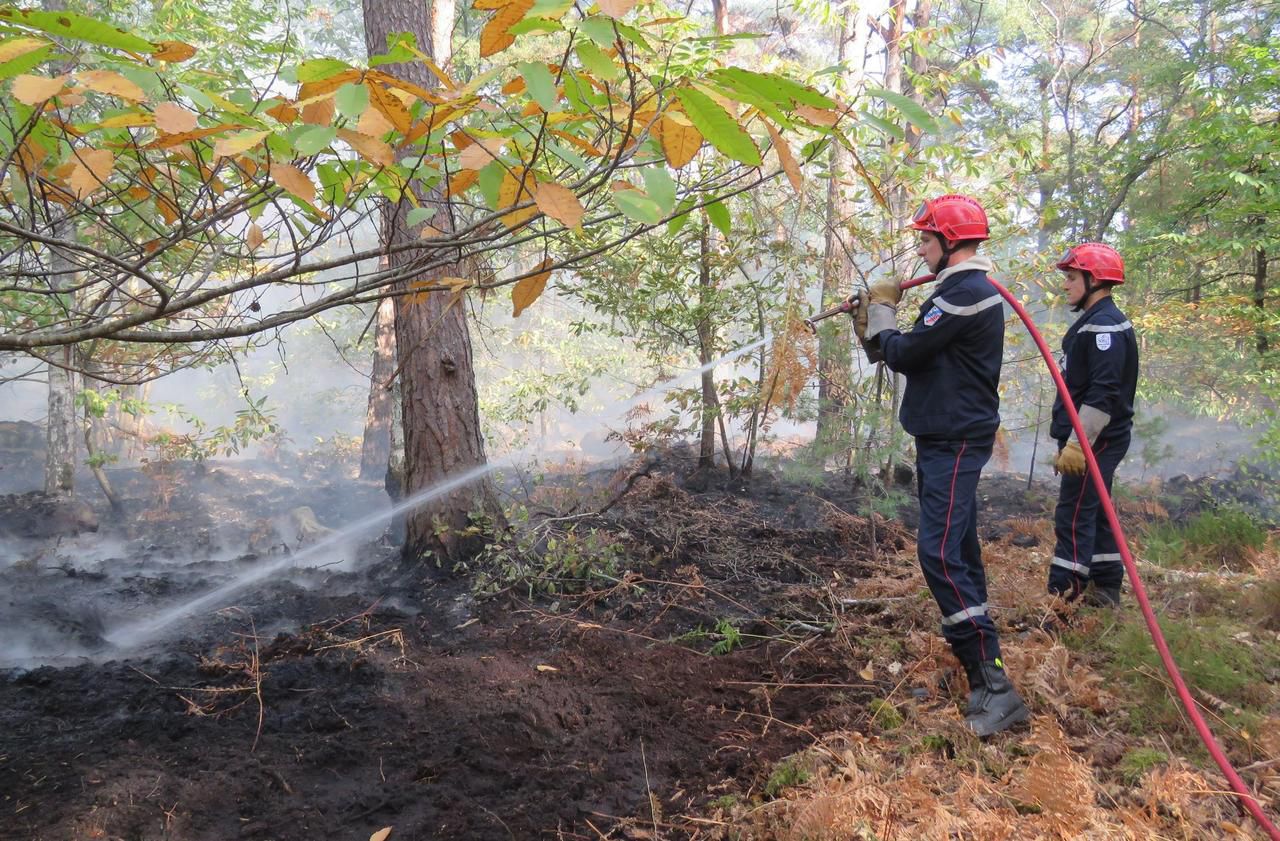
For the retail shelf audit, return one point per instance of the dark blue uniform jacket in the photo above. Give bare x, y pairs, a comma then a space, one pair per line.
951, 359
1100, 364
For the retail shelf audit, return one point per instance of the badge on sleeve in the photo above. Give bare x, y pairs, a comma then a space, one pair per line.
1103, 341
932, 316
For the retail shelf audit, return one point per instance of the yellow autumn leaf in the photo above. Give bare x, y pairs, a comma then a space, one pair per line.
788, 161
543, 667
131, 120
866, 673
526, 291
459, 182
90, 170
173, 51
560, 203
381, 835
680, 143
617, 8
30, 89
495, 38
391, 106
112, 84
319, 112
11, 49
235, 144
370, 148
294, 181
516, 189
481, 153
818, 116
373, 124
172, 118
254, 237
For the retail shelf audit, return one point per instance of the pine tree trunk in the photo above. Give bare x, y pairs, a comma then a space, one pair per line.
835, 338
1260, 292
706, 350
60, 427
376, 446
442, 435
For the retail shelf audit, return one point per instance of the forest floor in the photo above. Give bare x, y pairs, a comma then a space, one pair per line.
705, 659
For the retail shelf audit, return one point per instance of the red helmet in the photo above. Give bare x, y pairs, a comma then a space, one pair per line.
1101, 261
953, 217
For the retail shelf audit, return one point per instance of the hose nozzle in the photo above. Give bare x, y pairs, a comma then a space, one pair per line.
843, 307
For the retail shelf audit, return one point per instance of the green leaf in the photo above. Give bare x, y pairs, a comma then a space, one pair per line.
542, 85
319, 69
660, 187
719, 216
352, 100
766, 106
635, 36
79, 27
567, 155
554, 9
718, 127
400, 46
884, 125
771, 86
908, 107
638, 206
491, 183
311, 140
598, 29
536, 25
418, 215
594, 59
198, 98
678, 222
25, 63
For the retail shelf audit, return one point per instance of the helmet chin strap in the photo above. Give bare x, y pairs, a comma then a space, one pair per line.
1089, 289
946, 254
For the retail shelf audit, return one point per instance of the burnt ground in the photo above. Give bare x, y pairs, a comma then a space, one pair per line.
329, 701
348, 691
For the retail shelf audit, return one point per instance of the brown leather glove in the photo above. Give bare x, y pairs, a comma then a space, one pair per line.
1070, 460
859, 314
885, 291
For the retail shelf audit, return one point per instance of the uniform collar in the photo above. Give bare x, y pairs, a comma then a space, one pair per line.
1104, 303
976, 263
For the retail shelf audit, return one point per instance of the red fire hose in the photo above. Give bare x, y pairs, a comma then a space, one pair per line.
1139, 591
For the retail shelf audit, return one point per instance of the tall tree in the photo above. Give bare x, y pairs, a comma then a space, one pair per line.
375, 447
442, 435
835, 374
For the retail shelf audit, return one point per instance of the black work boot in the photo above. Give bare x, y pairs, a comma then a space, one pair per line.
977, 688
994, 705
1102, 596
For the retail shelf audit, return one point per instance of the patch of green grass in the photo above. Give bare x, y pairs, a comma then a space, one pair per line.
885, 714
1221, 537
726, 802
1209, 657
787, 773
1135, 764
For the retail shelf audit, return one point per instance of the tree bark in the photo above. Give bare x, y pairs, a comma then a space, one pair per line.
60, 426
442, 435
375, 448
1260, 291
835, 338
720, 11
706, 353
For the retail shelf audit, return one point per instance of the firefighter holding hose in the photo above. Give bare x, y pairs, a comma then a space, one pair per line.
1100, 365
951, 359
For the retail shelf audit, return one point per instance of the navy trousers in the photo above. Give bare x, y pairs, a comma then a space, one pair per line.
947, 543
1085, 548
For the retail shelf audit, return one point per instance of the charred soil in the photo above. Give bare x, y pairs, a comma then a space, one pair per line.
335, 699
